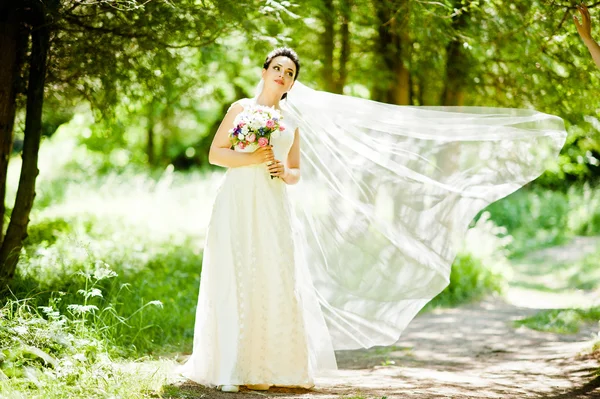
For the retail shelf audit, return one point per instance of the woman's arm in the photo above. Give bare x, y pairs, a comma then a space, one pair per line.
291, 174
221, 153
585, 31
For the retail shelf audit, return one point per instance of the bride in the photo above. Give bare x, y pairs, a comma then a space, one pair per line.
346, 258
250, 323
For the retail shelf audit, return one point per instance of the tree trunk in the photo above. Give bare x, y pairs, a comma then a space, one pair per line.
17, 228
345, 46
12, 43
457, 63
394, 86
166, 134
400, 92
150, 145
454, 80
328, 43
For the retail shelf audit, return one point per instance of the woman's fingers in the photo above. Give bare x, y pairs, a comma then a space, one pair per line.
583, 26
585, 13
273, 166
267, 153
276, 168
577, 24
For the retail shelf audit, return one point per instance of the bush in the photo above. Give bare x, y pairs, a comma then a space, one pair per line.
480, 268
539, 218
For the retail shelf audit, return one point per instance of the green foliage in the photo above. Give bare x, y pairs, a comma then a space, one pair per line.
146, 228
538, 218
561, 321
470, 280
544, 272
481, 266
49, 353
169, 71
584, 274
150, 273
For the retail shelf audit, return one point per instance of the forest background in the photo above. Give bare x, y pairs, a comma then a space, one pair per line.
108, 108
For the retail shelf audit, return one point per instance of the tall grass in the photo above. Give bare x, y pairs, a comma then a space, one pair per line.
49, 353
154, 260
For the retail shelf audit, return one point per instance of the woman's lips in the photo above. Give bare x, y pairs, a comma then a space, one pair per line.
279, 81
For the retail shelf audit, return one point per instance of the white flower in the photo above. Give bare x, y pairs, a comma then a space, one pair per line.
90, 293
241, 136
255, 124
103, 271
80, 309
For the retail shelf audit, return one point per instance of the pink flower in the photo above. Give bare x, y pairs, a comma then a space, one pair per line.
241, 145
263, 141
242, 124
251, 138
270, 123
281, 128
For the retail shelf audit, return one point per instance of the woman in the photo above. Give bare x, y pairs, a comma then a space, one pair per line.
250, 327
584, 28
349, 256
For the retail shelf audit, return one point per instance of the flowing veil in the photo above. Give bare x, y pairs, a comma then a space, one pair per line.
387, 193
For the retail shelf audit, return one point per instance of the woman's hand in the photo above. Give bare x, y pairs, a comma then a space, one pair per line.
584, 28
276, 168
585, 31
263, 154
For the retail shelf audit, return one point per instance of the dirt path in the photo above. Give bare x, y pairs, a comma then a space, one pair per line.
472, 351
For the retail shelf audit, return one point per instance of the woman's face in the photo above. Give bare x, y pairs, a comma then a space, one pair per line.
279, 76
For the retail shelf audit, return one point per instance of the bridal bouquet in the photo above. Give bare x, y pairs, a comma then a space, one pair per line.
254, 127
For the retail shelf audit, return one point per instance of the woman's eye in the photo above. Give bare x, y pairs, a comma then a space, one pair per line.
276, 68
290, 74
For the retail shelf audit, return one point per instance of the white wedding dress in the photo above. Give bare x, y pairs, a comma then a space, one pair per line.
253, 315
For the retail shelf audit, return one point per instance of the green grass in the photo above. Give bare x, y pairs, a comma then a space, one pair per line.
584, 274
148, 271
47, 354
561, 321
549, 275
